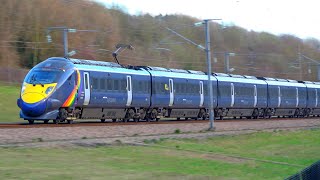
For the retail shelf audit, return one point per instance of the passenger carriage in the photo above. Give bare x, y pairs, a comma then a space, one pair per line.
286, 97
313, 92
112, 92
180, 93
240, 96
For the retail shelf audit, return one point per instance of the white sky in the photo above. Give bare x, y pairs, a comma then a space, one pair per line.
296, 17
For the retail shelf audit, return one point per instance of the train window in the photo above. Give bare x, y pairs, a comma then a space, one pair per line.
140, 86
162, 87
135, 86
197, 89
159, 87
192, 90
205, 89
123, 85
147, 86
177, 87
184, 88
224, 90
109, 84
189, 88
102, 83
116, 84
95, 83
273, 91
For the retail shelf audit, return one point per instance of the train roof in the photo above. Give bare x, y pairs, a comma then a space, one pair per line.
240, 80
179, 75
311, 84
95, 63
284, 82
92, 65
101, 66
154, 68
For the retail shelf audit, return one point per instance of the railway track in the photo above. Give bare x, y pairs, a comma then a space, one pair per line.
96, 123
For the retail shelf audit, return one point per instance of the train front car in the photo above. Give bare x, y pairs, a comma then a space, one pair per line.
45, 90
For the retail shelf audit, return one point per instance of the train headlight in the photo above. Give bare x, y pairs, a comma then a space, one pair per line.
23, 88
49, 89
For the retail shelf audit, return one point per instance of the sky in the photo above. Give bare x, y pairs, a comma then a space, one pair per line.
295, 17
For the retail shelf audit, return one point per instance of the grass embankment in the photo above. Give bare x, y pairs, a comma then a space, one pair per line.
9, 111
173, 160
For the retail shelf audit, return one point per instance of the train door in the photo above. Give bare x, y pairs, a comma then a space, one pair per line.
255, 95
171, 92
297, 97
86, 88
129, 91
316, 98
232, 95
279, 96
201, 93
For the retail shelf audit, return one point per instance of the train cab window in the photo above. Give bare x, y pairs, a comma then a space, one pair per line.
102, 84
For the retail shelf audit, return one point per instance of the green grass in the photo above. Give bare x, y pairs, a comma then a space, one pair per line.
172, 160
9, 111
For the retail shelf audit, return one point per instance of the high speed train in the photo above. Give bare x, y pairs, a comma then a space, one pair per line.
62, 89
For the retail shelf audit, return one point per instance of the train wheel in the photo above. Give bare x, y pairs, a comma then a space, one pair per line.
103, 120
114, 120
45, 121
31, 121
70, 121
202, 114
153, 115
56, 121
129, 115
136, 119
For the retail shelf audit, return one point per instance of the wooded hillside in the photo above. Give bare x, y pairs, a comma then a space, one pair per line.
23, 43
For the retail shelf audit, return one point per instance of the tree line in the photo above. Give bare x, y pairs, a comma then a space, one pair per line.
23, 26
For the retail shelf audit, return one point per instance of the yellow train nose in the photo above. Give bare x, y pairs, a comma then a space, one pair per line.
32, 97
34, 93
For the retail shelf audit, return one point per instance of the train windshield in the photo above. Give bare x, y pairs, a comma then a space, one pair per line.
40, 76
